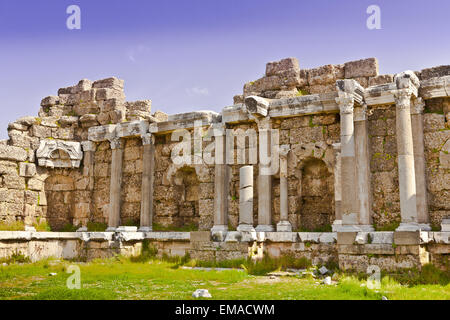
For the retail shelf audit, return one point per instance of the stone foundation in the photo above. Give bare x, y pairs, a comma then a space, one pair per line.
356, 251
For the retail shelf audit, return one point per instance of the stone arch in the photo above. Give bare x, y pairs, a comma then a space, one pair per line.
61, 157
59, 194
180, 206
315, 194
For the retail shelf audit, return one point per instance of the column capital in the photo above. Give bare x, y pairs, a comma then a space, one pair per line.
402, 97
345, 102
264, 123
360, 113
148, 138
418, 106
88, 146
116, 143
218, 129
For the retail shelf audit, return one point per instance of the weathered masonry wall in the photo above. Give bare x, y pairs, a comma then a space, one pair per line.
352, 152
352, 251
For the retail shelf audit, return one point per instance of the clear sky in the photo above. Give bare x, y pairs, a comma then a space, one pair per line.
196, 54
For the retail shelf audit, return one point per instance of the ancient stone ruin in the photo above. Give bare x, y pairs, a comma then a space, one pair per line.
359, 170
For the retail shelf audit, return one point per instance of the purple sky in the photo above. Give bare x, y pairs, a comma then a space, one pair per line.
196, 54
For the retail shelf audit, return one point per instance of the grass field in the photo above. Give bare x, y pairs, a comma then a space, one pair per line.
121, 278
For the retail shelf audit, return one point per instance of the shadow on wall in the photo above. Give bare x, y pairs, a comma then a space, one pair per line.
180, 205
60, 201
316, 195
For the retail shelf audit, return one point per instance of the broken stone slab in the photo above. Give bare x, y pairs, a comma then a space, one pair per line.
318, 237
435, 87
327, 281
438, 71
49, 101
167, 236
257, 106
361, 68
201, 293
12, 153
54, 235
112, 83
445, 225
327, 74
27, 169
323, 270
102, 133
286, 64
134, 128
281, 236
441, 237
382, 237
233, 236
361, 237
15, 235
130, 236
195, 115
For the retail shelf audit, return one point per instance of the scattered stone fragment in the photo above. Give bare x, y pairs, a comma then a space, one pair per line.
201, 293
323, 270
327, 280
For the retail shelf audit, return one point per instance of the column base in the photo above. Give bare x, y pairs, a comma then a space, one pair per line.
353, 228
82, 229
336, 225
245, 228
413, 226
265, 228
219, 232
284, 226
111, 229
145, 229
126, 229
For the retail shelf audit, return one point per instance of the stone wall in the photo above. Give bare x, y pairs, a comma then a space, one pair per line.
390, 251
57, 167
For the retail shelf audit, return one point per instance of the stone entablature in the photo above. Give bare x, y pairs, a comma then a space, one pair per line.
59, 154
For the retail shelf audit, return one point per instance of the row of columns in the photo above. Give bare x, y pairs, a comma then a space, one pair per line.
355, 209
352, 177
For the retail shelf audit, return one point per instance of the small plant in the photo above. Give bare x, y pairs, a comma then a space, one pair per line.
148, 252
302, 92
68, 227
16, 257
12, 226
96, 226
41, 226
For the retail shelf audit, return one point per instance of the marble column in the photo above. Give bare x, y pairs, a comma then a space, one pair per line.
349, 204
337, 188
246, 199
89, 148
265, 176
221, 182
148, 173
284, 224
363, 168
420, 164
115, 184
406, 171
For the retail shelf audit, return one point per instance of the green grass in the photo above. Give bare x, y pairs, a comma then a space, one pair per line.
96, 226
120, 278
